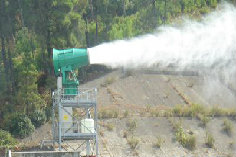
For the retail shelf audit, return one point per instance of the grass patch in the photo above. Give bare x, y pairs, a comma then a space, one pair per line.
101, 133
155, 113
188, 111
210, 141
143, 113
168, 113
148, 108
196, 109
228, 127
178, 110
216, 111
232, 145
131, 125
133, 142
186, 140
125, 134
106, 114
159, 142
110, 127
126, 114
108, 81
204, 119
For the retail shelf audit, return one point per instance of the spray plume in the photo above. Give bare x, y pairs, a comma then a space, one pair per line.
210, 43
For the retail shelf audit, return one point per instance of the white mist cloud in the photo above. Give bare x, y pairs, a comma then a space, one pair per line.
210, 43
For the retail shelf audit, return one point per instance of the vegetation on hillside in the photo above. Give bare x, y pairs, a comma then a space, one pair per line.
30, 29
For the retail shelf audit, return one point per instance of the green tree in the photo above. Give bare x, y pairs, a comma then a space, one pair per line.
6, 140
26, 72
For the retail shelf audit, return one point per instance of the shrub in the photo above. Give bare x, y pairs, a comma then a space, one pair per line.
20, 125
132, 125
108, 81
101, 133
232, 145
105, 114
115, 114
204, 119
186, 140
38, 118
126, 113
148, 108
159, 142
176, 125
110, 127
6, 140
209, 140
227, 126
125, 134
133, 142
48, 112
191, 142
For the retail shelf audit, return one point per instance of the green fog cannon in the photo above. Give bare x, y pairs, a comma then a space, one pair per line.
65, 63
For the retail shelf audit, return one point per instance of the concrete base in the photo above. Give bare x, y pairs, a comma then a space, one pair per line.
45, 154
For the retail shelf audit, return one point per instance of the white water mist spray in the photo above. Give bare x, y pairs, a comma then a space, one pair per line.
210, 43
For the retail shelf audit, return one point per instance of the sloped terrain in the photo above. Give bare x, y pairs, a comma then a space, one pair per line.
158, 89
150, 128
134, 93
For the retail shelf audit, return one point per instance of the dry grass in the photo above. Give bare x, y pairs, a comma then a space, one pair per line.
131, 125
210, 141
188, 111
232, 145
142, 113
106, 114
110, 127
228, 127
204, 119
108, 81
148, 108
101, 133
159, 142
125, 134
155, 112
126, 114
195, 111
133, 142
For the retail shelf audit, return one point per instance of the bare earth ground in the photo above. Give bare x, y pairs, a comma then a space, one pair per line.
135, 90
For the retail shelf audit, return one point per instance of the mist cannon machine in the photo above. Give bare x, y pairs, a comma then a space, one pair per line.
66, 62
69, 99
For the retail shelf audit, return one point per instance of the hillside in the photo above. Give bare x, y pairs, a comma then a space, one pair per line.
161, 92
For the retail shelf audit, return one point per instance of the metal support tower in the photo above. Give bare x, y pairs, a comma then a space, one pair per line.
69, 117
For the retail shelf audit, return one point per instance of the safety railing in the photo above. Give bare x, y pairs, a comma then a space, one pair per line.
73, 95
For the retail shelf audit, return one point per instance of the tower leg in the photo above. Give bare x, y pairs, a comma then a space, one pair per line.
88, 148
59, 88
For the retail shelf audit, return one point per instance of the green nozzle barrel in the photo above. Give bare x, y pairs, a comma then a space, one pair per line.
69, 58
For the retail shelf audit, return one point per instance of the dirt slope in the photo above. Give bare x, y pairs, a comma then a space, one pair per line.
133, 90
